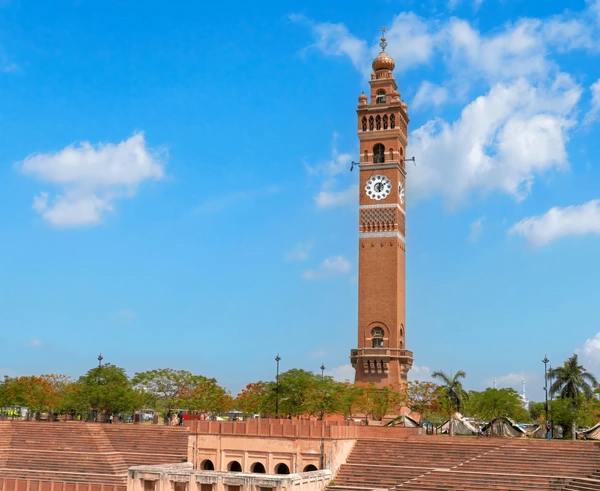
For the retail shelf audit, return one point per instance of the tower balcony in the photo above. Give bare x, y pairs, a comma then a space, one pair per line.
377, 360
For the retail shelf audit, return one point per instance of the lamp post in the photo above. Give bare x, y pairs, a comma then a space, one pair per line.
277, 359
322, 367
545, 362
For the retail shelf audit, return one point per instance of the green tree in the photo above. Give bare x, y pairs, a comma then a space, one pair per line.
163, 388
296, 389
378, 402
424, 398
255, 398
204, 394
491, 403
455, 393
108, 389
573, 383
536, 411
327, 397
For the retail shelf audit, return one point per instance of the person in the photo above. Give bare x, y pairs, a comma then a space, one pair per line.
548, 432
180, 416
110, 419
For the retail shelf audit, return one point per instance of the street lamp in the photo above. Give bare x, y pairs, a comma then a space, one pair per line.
545, 362
277, 359
100, 358
322, 367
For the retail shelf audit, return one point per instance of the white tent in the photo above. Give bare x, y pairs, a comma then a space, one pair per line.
502, 426
461, 426
593, 433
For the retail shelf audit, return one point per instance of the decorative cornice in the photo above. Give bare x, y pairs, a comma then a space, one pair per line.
396, 165
373, 235
364, 207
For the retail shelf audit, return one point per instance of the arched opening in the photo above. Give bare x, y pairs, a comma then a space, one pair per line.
401, 152
364, 123
234, 466
385, 122
371, 123
391, 152
310, 468
392, 122
366, 156
378, 122
258, 468
282, 469
377, 337
378, 154
380, 97
207, 465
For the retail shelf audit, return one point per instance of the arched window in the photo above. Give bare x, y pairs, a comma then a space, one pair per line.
378, 122
377, 337
392, 121
380, 99
371, 123
378, 154
234, 466
282, 469
258, 468
310, 468
207, 465
364, 123
366, 156
391, 154
385, 122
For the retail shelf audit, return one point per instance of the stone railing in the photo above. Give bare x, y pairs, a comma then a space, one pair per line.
184, 477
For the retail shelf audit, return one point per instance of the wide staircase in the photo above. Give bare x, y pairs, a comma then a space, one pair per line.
464, 464
74, 452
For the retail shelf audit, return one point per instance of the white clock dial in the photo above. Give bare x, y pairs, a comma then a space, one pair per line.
401, 192
378, 187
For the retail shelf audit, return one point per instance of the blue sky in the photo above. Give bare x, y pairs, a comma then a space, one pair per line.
175, 187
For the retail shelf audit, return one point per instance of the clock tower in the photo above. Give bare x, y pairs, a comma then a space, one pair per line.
382, 356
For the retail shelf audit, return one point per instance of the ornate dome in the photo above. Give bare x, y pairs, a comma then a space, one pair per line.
362, 97
383, 62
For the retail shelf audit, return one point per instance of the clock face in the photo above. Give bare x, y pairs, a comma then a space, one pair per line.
401, 192
378, 187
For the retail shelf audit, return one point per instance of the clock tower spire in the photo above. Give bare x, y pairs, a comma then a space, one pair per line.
382, 356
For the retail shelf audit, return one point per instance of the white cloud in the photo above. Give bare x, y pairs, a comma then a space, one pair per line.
592, 114
560, 222
476, 229
509, 380
501, 141
420, 373
92, 178
330, 196
333, 266
300, 252
35, 343
332, 199
335, 40
342, 373
589, 352
430, 95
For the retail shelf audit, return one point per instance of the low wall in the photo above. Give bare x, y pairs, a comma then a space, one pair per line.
182, 476
35, 485
276, 428
285, 428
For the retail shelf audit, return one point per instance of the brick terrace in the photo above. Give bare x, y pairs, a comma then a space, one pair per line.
95, 456
453, 464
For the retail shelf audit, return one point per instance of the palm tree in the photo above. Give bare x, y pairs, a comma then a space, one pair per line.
570, 382
455, 392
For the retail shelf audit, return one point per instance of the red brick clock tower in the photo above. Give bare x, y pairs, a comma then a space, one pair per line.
382, 356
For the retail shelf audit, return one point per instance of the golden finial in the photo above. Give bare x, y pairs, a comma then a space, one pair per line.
383, 44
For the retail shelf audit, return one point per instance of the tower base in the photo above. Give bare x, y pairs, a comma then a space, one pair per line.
381, 366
